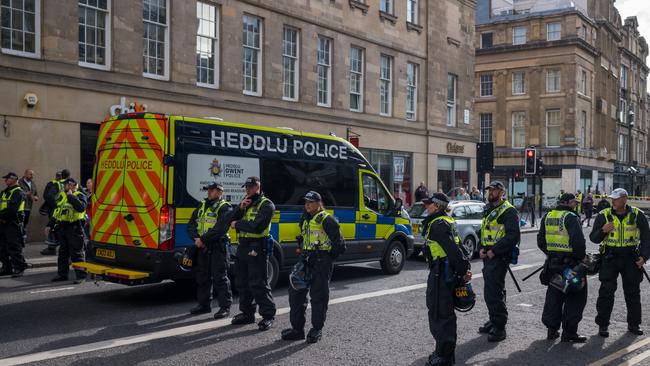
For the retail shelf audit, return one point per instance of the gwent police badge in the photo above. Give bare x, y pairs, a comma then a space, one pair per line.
215, 168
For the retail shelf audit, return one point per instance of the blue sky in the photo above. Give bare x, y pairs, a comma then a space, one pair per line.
640, 9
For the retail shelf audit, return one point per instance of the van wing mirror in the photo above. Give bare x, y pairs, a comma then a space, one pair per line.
168, 160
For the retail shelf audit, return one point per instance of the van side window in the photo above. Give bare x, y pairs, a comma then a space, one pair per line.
286, 182
375, 196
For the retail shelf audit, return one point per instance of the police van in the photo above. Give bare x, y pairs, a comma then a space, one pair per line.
150, 169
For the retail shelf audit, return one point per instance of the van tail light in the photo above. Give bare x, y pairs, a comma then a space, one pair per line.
166, 228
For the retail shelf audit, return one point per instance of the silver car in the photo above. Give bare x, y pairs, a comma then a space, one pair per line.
468, 216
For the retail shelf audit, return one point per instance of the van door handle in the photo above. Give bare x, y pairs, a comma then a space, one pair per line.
128, 217
365, 216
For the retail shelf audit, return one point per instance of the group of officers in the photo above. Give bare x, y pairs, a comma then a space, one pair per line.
66, 213
320, 243
621, 230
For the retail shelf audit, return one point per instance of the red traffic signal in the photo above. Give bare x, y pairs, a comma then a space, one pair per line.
531, 160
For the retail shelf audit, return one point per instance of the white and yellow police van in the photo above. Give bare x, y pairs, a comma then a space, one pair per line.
148, 177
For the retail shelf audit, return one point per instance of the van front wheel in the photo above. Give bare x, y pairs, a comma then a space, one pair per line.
393, 260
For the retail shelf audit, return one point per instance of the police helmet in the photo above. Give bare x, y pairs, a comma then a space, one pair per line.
464, 298
186, 258
300, 278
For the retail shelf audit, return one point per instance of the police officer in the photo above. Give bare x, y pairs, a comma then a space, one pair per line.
208, 227
12, 205
499, 238
446, 264
252, 220
67, 223
579, 198
52, 189
560, 238
321, 244
624, 238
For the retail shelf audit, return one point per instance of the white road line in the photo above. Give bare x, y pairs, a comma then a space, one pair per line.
51, 290
636, 359
525, 305
620, 353
210, 325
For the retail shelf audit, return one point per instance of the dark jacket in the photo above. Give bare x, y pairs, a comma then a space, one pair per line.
78, 202
510, 220
26, 188
597, 235
576, 237
602, 204
332, 229
10, 214
440, 231
218, 231
261, 221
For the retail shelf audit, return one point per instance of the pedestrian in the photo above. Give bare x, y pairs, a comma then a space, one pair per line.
462, 195
447, 264
421, 192
587, 208
52, 189
560, 237
602, 204
579, 197
208, 227
476, 194
321, 243
499, 239
67, 224
88, 191
252, 220
624, 238
12, 206
28, 186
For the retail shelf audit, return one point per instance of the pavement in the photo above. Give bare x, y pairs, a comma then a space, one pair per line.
373, 319
33, 256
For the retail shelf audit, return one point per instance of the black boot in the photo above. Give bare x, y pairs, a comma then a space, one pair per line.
497, 335
436, 360
223, 312
200, 310
242, 318
293, 334
314, 335
573, 338
634, 329
486, 328
552, 334
265, 324
602, 331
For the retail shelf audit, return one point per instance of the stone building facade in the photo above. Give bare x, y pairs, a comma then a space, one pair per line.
547, 76
396, 74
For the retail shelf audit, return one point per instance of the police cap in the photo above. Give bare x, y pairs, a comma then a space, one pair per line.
251, 181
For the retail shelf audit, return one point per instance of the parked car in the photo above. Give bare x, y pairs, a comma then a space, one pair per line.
468, 216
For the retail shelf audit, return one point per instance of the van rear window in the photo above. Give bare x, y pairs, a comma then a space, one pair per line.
286, 182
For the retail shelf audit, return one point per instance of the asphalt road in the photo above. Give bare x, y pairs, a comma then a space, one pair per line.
373, 319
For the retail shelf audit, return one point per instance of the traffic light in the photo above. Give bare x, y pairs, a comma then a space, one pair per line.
531, 160
540, 166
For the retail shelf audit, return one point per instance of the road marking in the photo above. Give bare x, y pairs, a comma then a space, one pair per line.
209, 325
622, 352
636, 359
51, 290
525, 305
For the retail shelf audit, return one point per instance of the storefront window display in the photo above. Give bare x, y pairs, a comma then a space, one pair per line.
453, 173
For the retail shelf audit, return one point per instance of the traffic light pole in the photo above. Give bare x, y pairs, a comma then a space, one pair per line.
532, 206
541, 195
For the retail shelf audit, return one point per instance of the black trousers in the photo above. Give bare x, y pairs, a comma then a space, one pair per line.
212, 277
71, 246
11, 247
564, 309
252, 279
442, 317
611, 267
320, 265
494, 279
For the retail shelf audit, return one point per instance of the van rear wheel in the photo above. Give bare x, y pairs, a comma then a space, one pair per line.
393, 260
273, 270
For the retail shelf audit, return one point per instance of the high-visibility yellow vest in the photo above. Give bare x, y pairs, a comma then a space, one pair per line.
313, 235
557, 236
435, 249
207, 217
64, 210
6, 197
626, 234
491, 230
250, 215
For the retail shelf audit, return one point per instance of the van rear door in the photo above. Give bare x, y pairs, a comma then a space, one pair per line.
130, 178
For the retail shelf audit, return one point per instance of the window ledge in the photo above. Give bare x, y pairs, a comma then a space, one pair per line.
355, 4
413, 27
383, 16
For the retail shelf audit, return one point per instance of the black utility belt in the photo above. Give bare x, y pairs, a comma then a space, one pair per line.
69, 223
316, 251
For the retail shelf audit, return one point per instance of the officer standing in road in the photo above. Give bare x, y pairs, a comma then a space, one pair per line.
499, 238
12, 205
447, 263
52, 189
208, 227
624, 238
321, 242
560, 238
252, 220
67, 223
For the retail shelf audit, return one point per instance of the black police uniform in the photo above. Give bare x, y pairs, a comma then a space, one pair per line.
11, 233
70, 236
621, 261
443, 276
251, 271
560, 308
495, 270
212, 260
320, 264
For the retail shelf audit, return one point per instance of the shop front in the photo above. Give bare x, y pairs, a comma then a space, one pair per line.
395, 169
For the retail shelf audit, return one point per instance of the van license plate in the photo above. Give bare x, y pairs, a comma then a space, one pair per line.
105, 253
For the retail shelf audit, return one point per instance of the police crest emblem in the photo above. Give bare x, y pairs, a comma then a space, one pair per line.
215, 168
